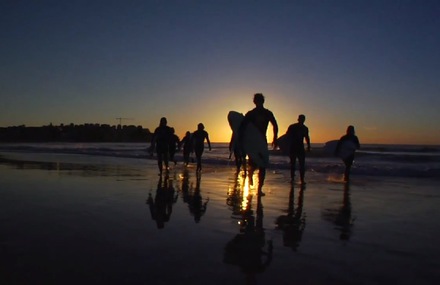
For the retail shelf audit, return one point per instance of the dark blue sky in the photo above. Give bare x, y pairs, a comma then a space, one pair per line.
373, 64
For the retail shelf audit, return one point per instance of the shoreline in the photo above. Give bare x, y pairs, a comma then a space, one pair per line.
90, 223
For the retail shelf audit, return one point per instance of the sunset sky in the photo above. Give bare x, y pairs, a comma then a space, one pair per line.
372, 64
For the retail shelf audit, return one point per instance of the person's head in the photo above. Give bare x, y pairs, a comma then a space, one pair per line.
350, 130
258, 99
172, 130
188, 133
163, 121
200, 126
301, 118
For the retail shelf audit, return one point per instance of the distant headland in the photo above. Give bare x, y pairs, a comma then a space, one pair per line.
75, 133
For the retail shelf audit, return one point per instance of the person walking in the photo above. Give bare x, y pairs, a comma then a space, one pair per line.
198, 141
348, 161
297, 133
186, 146
260, 117
161, 142
174, 144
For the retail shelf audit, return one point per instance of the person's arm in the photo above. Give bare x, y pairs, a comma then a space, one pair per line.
307, 139
207, 140
358, 145
274, 123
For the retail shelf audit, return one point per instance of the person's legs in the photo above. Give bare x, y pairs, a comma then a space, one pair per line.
159, 161
238, 161
199, 153
165, 159
348, 163
185, 157
292, 165
172, 153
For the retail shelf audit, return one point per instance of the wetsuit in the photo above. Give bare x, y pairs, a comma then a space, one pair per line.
198, 139
297, 133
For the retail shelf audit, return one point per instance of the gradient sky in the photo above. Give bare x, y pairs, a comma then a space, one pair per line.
372, 64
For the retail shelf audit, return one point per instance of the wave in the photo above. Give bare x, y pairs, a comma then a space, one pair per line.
374, 161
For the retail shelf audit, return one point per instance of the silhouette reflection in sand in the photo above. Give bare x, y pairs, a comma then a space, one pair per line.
294, 222
249, 249
161, 206
342, 217
193, 196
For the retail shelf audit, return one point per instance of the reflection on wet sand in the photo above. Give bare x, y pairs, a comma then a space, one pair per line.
294, 222
341, 217
249, 249
192, 196
161, 206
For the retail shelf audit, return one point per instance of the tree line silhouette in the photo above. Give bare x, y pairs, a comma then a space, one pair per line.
76, 133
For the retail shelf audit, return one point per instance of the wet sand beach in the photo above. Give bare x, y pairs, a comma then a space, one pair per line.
86, 220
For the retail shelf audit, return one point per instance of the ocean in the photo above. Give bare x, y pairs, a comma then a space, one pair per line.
371, 160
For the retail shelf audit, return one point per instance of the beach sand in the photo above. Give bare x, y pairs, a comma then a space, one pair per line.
71, 219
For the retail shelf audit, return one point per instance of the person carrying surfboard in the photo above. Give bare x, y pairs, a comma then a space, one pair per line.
349, 137
260, 118
297, 133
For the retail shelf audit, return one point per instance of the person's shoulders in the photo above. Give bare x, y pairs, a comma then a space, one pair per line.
268, 111
250, 113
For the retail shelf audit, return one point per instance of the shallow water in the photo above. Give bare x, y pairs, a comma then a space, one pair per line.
90, 223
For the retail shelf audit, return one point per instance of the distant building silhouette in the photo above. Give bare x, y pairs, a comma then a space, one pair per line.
75, 133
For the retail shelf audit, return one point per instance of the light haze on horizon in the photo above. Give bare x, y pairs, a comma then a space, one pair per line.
371, 64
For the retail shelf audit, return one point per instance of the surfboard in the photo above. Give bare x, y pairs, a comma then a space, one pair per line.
283, 144
254, 144
346, 149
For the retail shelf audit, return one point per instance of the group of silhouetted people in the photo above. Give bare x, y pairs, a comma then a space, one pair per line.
296, 133
165, 143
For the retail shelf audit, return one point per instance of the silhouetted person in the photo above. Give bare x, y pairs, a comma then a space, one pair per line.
349, 136
161, 205
174, 144
239, 154
260, 117
293, 223
186, 146
160, 142
297, 133
198, 140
